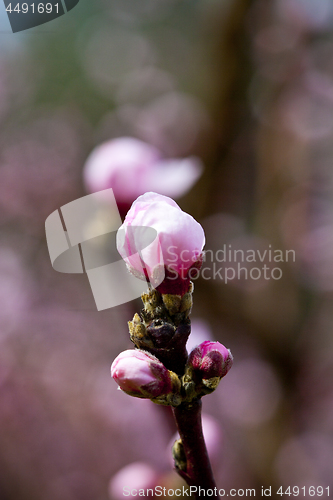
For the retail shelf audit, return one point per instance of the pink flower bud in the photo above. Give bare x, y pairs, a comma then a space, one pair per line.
140, 374
177, 248
130, 167
210, 359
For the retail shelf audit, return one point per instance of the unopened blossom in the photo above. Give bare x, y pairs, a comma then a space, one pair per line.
176, 249
140, 374
210, 360
131, 167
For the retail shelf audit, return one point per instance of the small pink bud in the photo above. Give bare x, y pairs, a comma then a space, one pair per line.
210, 359
177, 248
140, 374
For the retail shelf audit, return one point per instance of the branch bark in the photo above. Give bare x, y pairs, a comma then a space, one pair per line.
198, 468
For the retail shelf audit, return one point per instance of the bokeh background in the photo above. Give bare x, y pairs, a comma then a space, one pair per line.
247, 86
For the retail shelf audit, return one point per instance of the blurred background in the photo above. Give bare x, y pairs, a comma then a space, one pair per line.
247, 87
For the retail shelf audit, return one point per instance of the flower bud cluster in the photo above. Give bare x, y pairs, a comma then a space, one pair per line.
155, 369
160, 368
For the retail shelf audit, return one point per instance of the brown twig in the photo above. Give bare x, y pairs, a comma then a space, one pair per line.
163, 330
198, 471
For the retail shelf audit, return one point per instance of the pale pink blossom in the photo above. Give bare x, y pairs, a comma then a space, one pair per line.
211, 359
131, 167
140, 374
136, 476
176, 249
